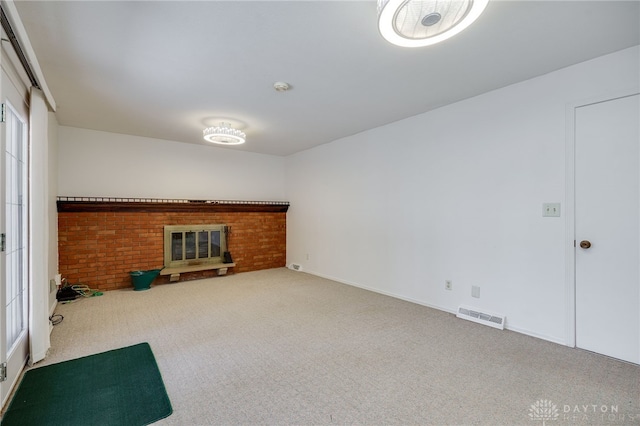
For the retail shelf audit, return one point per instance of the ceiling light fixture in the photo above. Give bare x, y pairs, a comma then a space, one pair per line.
417, 23
224, 134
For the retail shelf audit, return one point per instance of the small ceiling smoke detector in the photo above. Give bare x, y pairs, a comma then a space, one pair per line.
281, 86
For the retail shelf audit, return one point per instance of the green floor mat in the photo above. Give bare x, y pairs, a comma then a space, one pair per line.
118, 387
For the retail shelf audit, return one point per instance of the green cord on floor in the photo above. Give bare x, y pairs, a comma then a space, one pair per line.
85, 291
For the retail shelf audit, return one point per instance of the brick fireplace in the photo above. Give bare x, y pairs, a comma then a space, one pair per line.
101, 240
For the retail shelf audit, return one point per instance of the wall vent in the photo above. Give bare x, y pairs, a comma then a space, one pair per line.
295, 267
481, 317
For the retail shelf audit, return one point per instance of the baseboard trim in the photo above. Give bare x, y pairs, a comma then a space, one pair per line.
515, 329
530, 333
386, 293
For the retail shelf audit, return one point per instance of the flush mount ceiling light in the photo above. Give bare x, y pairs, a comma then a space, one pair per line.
224, 134
416, 23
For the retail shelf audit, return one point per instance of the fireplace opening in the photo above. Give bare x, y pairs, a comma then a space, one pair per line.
187, 245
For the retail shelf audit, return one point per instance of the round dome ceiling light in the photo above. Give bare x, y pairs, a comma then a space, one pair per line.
417, 23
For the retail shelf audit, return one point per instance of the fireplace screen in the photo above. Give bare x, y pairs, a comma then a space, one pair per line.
193, 245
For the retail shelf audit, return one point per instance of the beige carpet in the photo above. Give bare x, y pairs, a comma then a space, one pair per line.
279, 347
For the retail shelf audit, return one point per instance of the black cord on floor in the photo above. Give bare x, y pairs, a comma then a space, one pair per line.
56, 319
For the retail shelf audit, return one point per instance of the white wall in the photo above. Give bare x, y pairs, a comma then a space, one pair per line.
101, 164
453, 194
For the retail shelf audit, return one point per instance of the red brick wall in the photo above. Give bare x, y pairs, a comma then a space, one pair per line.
99, 249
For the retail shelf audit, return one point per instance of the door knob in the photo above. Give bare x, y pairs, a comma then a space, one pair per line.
585, 244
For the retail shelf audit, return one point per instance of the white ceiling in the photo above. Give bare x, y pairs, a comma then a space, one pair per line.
167, 69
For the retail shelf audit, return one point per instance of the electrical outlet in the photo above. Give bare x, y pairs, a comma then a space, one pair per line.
475, 291
448, 285
551, 210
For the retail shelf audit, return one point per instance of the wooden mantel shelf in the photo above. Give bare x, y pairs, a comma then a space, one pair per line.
103, 204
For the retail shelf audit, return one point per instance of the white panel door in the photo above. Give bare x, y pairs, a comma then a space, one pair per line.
607, 227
